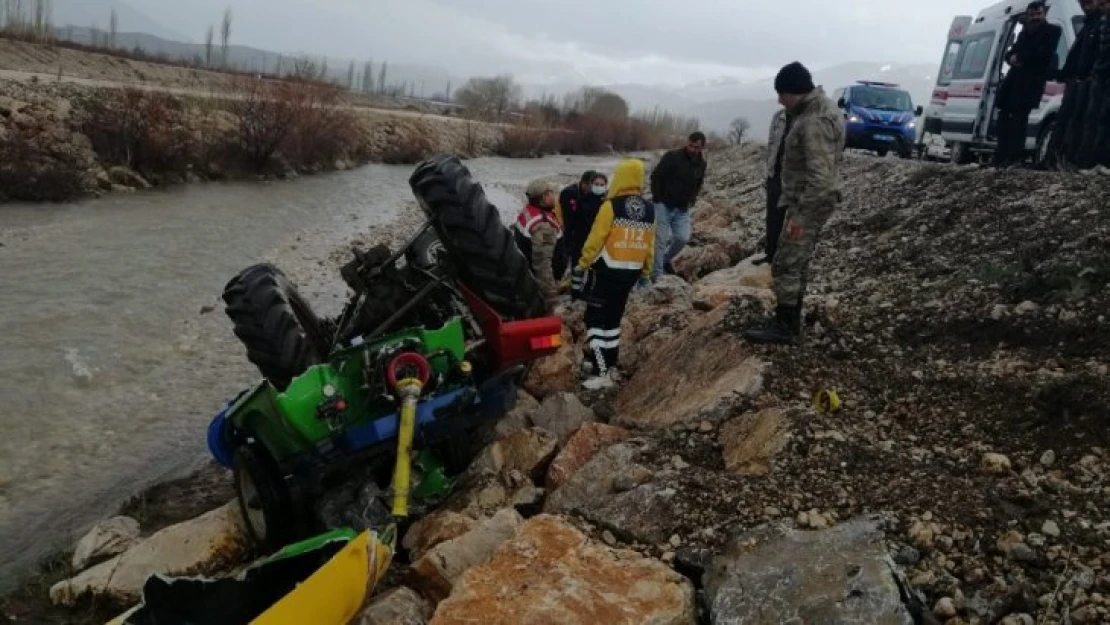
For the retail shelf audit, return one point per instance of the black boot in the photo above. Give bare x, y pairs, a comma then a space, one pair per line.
780, 330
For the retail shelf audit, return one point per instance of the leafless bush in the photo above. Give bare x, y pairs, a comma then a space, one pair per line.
521, 141
146, 131
415, 140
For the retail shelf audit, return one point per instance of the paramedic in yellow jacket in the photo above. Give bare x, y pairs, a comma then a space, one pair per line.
618, 253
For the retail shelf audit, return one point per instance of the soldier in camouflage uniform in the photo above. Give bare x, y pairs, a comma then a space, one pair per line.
810, 193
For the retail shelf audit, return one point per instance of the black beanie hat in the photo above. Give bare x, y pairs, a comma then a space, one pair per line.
794, 79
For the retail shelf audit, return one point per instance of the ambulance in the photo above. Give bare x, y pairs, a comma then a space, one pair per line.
930, 144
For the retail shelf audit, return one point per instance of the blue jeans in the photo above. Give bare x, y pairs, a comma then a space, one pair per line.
672, 232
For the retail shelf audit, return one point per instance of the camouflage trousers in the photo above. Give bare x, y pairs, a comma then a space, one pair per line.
791, 263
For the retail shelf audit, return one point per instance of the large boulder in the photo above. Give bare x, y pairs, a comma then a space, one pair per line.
437, 571
778, 575
435, 529
520, 417
615, 491
582, 446
551, 573
107, 539
751, 441
127, 177
694, 262
745, 281
400, 606
213, 542
694, 376
562, 414
527, 451
557, 372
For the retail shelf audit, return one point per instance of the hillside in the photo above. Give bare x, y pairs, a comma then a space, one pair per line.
87, 14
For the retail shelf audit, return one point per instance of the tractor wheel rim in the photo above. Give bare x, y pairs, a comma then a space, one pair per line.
252, 505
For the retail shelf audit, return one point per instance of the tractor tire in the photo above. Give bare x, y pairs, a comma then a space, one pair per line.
264, 499
282, 335
481, 249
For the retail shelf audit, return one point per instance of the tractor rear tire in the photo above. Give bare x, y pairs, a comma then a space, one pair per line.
482, 250
282, 335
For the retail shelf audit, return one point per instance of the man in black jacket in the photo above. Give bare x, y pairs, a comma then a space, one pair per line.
1031, 59
675, 184
1076, 75
1095, 151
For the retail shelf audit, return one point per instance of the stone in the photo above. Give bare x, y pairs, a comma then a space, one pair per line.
520, 417
1048, 458
562, 414
744, 281
907, 556
436, 572
1018, 619
778, 575
922, 534
399, 606
582, 446
551, 573
1086, 614
1007, 541
107, 539
695, 262
700, 370
557, 372
641, 512
994, 464
945, 609
434, 529
215, 541
1026, 307
1051, 529
528, 451
751, 442
127, 177
103, 180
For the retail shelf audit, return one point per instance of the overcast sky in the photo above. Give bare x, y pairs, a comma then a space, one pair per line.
603, 41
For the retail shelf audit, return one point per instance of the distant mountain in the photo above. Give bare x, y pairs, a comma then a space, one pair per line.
423, 80
89, 13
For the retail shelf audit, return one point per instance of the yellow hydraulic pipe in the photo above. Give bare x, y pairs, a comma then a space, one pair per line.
409, 390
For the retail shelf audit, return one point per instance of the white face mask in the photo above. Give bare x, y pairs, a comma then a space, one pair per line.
600, 189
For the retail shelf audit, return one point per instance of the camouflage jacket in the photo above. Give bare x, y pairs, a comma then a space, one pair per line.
774, 140
813, 154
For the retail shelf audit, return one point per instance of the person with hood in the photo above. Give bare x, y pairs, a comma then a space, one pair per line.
676, 183
811, 159
780, 125
618, 254
1030, 60
539, 235
1076, 76
579, 204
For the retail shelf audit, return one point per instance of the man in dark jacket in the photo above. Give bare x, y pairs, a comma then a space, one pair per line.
1030, 59
579, 204
1076, 75
1094, 151
675, 184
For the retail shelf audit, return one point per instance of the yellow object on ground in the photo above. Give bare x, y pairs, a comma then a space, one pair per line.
335, 593
826, 401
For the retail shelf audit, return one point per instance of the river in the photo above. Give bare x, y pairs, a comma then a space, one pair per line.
109, 369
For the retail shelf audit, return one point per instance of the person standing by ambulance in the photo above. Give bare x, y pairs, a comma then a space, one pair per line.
618, 254
539, 235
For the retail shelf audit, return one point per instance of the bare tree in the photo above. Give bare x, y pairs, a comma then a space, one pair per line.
225, 34
209, 38
351, 76
368, 77
490, 97
113, 29
738, 130
381, 78
447, 94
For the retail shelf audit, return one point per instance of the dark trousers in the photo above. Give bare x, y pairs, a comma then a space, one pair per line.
605, 303
1072, 134
775, 217
1093, 149
1013, 124
1057, 152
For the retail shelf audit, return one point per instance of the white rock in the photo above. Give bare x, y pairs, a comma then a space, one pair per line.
945, 609
209, 543
995, 464
107, 539
1048, 458
1050, 528
1026, 308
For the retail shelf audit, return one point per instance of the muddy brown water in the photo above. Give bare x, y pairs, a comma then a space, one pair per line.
109, 370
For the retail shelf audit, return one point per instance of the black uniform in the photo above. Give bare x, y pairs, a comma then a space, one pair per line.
1022, 89
579, 211
1076, 74
1093, 149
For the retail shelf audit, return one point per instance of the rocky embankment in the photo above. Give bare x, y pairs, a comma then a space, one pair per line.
960, 314
62, 140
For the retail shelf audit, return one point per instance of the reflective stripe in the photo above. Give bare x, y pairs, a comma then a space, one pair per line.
527, 219
607, 334
620, 264
600, 344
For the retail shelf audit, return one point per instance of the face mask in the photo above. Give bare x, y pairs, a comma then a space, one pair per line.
600, 189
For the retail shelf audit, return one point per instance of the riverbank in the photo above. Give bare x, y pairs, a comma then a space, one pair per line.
63, 140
